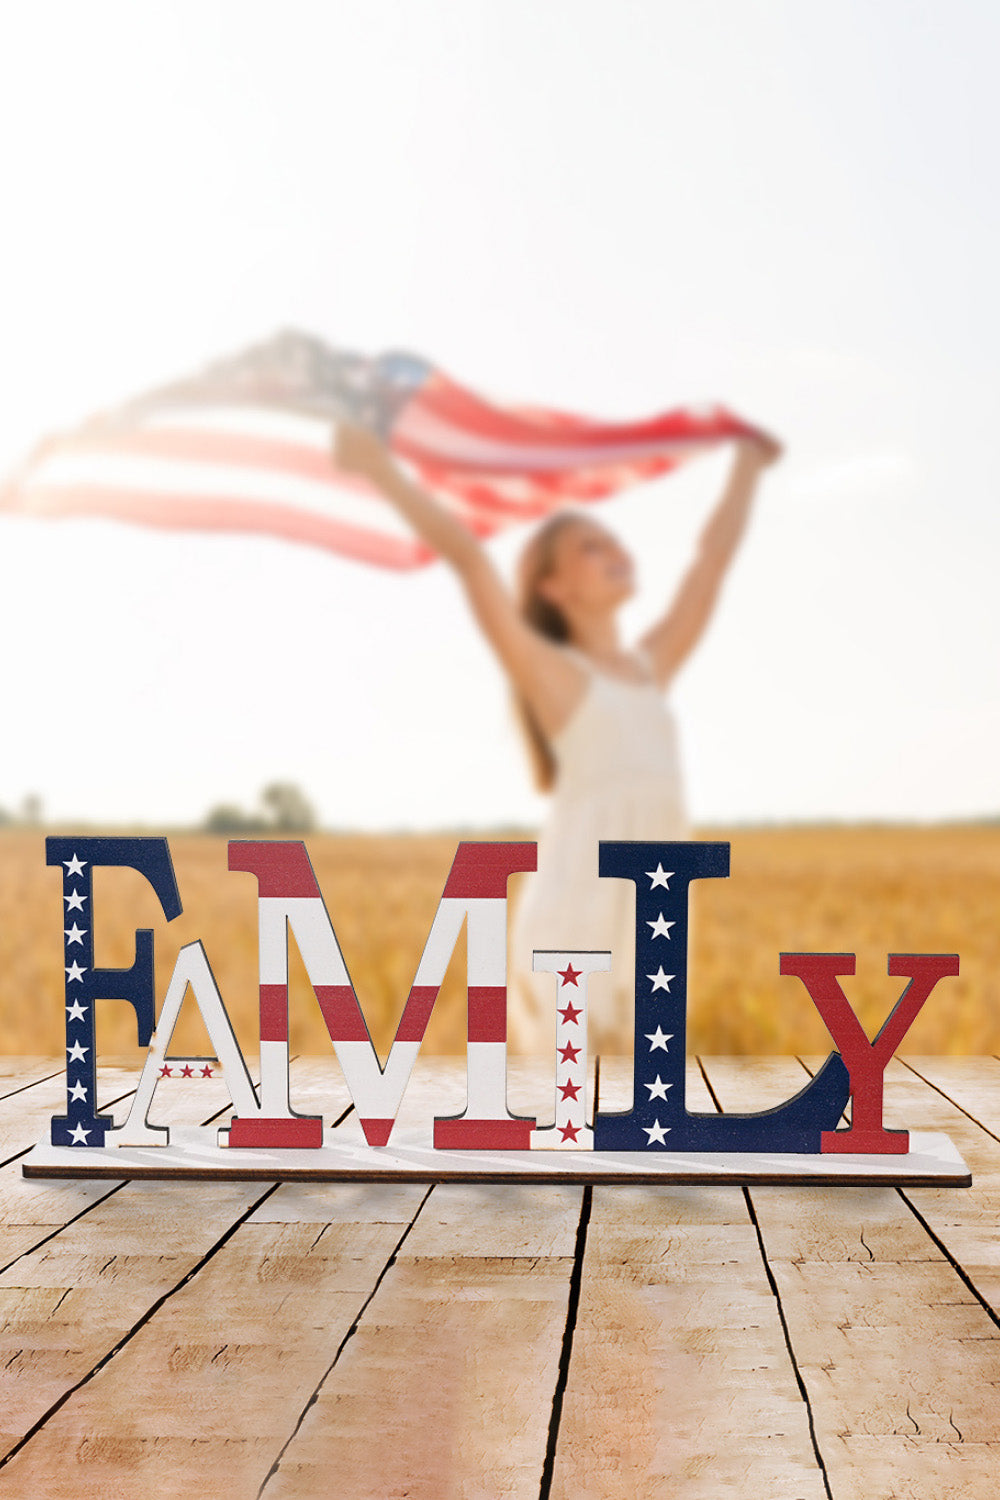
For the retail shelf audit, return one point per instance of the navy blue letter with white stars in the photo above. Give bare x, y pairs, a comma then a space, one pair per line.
659, 1118
82, 1125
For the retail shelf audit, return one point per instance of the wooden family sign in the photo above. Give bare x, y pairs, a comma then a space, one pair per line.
658, 1139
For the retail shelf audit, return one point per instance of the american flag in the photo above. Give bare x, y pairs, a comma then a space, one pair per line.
246, 446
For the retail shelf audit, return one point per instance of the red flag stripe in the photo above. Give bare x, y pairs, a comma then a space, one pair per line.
424, 438
455, 406
209, 513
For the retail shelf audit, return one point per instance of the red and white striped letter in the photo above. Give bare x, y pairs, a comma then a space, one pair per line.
477, 887
289, 898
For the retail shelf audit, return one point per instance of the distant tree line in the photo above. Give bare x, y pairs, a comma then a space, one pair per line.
28, 815
282, 808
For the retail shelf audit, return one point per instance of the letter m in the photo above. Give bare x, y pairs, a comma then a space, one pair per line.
289, 899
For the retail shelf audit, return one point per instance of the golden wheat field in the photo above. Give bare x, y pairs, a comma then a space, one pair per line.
868, 890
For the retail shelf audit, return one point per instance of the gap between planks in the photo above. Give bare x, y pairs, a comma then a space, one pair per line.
60, 1434
577, 1260
30, 1253
776, 1294
896, 1343
487, 1253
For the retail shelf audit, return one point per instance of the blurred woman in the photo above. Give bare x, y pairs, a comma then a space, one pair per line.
599, 728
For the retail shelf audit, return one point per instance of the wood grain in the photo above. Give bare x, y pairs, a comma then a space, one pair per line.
680, 1382
895, 1348
181, 1340
65, 1304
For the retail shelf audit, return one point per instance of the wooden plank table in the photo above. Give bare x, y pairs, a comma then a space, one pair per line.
195, 1339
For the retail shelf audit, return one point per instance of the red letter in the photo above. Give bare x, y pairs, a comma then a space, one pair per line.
867, 1061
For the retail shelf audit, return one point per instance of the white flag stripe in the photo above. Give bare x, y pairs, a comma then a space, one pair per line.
134, 473
245, 421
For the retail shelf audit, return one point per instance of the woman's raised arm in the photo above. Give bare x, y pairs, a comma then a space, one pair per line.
672, 639
550, 681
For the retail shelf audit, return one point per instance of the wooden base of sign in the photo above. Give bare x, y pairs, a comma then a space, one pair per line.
931, 1162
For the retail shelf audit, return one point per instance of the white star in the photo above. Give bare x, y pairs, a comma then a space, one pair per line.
74, 901
657, 1133
79, 1136
75, 934
74, 866
75, 973
77, 1053
661, 981
659, 876
658, 1090
75, 1012
660, 928
658, 1039
78, 1092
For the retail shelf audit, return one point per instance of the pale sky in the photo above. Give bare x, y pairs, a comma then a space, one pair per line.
606, 205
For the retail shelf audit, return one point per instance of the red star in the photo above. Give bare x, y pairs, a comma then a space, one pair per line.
569, 975
569, 1090
206, 1072
187, 1071
570, 1014
569, 1053
166, 1072
569, 1132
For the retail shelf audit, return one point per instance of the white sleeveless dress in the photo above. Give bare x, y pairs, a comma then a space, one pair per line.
618, 776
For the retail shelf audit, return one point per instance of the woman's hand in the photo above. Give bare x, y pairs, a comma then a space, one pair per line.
760, 450
675, 636
358, 450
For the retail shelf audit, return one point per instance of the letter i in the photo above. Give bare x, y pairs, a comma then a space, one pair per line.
570, 1131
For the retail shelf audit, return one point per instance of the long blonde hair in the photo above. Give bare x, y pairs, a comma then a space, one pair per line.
536, 562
